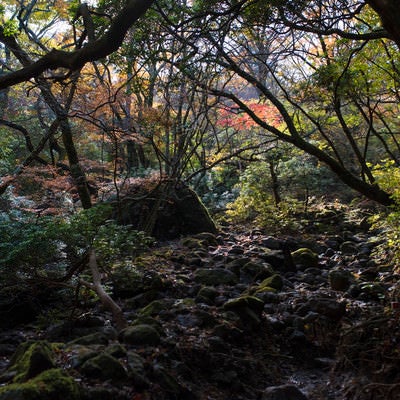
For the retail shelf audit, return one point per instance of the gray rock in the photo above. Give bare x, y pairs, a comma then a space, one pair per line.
272, 243
348, 248
284, 392
104, 366
207, 295
305, 256
276, 258
93, 338
328, 307
140, 335
252, 271
340, 279
215, 276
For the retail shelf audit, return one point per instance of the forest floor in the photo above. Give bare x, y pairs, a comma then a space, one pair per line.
238, 315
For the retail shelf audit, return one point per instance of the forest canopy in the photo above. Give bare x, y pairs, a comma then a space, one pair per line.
179, 177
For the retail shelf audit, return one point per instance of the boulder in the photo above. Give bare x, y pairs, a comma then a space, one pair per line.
52, 384
140, 335
165, 210
248, 308
30, 359
207, 295
105, 367
252, 271
215, 276
348, 248
305, 257
275, 282
340, 279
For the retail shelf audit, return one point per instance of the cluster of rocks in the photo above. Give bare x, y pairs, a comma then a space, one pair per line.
233, 316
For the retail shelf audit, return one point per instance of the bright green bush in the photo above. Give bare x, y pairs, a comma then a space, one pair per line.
388, 223
255, 202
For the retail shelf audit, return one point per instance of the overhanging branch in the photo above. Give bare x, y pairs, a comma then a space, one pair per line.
104, 46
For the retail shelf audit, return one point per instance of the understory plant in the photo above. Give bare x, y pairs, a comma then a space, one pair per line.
387, 224
52, 252
256, 204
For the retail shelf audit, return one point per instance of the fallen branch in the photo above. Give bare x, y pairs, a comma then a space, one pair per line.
106, 300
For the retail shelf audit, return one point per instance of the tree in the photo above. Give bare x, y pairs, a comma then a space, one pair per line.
76, 59
303, 52
389, 12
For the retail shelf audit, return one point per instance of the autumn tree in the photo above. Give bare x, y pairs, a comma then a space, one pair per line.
335, 120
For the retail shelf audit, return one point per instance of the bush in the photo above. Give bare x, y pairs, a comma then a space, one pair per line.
255, 202
387, 223
33, 250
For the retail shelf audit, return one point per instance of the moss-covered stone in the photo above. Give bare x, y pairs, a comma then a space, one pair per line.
244, 301
207, 295
93, 338
248, 308
306, 257
340, 279
104, 366
215, 276
146, 320
52, 384
140, 335
252, 271
154, 308
128, 281
273, 282
30, 359
116, 350
193, 243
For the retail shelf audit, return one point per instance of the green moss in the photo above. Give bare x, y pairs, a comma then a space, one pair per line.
305, 257
141, 335
52, 384
30, 359
154, 308
250, 302
104, 366
275, 282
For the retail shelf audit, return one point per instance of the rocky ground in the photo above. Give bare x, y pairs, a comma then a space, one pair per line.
241, 315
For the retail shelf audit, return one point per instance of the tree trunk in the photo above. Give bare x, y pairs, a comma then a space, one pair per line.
275, 183
389, 13
77, 172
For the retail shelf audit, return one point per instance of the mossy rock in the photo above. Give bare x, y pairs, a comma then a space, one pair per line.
92, 338
306, 257
248, 308
215, 276
154, 308
165, 210
251, 302
52, 384
207, 295
252, 271
31, 359
140, 335
104, 366
340, 279
273, 282
116, 350
146, 320
128, 281
200, 241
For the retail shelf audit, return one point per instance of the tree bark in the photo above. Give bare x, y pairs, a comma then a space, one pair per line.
389, 13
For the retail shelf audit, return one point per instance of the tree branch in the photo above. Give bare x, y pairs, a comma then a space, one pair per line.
107, 44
